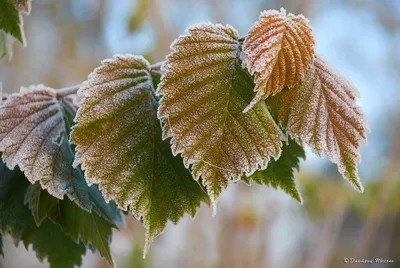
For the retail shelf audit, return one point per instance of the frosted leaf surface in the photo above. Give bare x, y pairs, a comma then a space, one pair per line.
33, 135
278, 50
322, 112
204, 91
120, 146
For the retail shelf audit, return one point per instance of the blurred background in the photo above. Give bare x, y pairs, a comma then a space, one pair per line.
255, 226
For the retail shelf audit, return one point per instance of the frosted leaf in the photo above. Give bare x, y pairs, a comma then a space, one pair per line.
33, 135
322, 112
279, 173
204, 91
120, 147
278, 50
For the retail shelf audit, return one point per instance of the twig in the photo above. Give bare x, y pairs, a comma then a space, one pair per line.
63, 92
156, 66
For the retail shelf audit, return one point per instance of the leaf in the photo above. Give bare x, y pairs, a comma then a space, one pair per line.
204, 91
322, 112
81, 225
11, 20
279, 50
119, 145
33, 135
279, 173
47, 240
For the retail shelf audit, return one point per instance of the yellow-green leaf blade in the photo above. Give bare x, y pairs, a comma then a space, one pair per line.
278, 50
322, 112
120, 147
204, 92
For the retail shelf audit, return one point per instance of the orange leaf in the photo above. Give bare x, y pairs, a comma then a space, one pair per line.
279, 50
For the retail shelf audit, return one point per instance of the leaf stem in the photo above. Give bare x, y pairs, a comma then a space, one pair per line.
63, 92
156, 66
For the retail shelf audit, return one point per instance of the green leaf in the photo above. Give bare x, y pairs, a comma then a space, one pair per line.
47, 240
11, 20
34, 136
82, 226
204, 91
279, 173
119, 145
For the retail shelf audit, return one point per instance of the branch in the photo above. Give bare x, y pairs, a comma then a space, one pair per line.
156, 66
63, 92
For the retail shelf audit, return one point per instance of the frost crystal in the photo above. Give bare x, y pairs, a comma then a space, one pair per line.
204, 91
279, 50
322, 112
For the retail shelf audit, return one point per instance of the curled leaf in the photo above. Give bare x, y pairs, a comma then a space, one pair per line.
278, 50
119, 145
204, 91
322, 112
